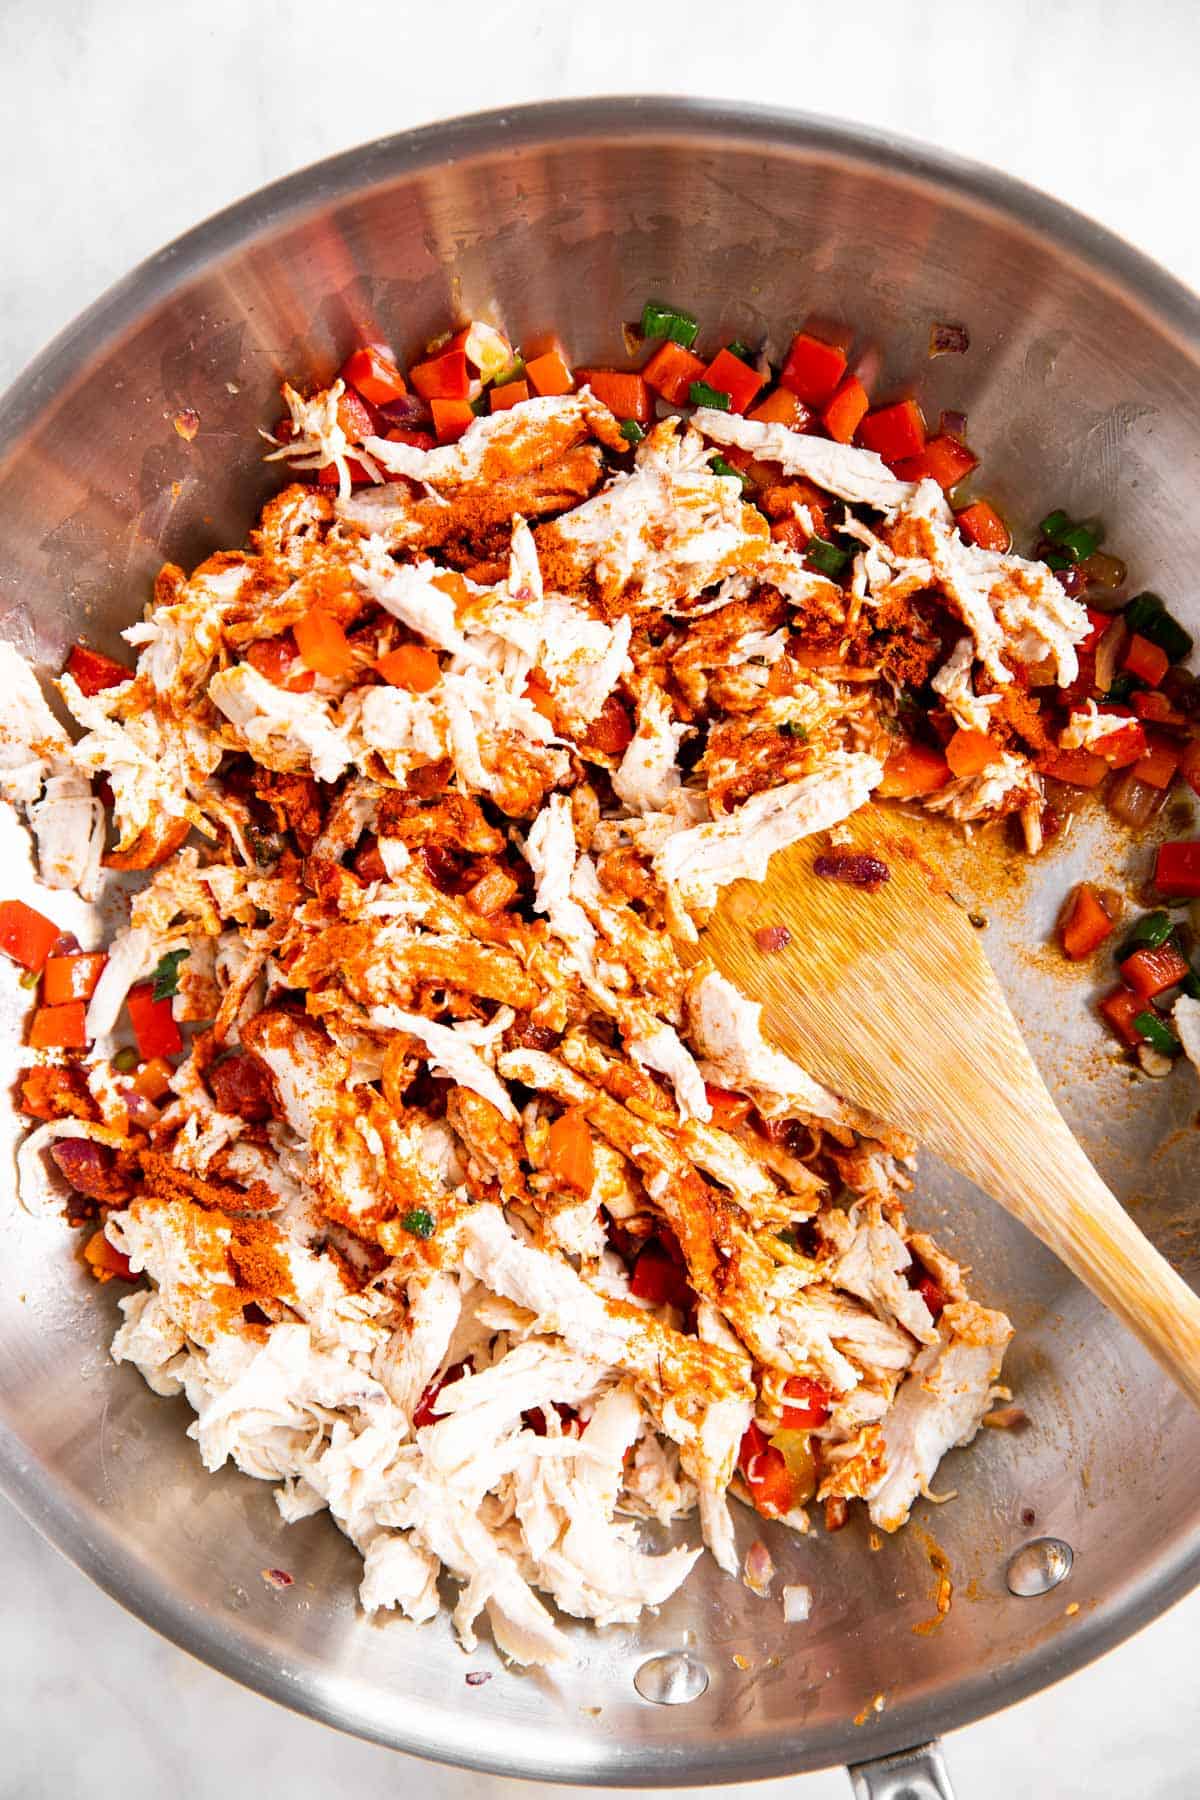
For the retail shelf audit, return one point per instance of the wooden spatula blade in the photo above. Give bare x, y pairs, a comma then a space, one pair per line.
857, 994
887, 997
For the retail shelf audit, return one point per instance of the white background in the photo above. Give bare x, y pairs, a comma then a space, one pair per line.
126, 121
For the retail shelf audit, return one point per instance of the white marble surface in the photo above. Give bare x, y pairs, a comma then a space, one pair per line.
124, 122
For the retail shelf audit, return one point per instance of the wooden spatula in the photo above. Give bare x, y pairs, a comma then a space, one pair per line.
888, 998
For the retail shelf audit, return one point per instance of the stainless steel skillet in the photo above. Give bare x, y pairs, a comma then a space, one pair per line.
1083, 386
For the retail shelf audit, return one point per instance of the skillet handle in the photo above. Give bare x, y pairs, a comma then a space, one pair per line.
918, 1774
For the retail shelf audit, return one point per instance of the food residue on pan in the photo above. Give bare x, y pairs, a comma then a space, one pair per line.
875, 1704
943, 1593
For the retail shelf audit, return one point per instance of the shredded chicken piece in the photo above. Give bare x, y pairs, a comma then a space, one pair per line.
739, 846
852, 474
941, 1405
477, 1210
668, 528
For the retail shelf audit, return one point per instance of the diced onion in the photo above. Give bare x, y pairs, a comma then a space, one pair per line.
759, 1569
1109, 652
1104, 570
1006, 1418
1132, 801
797, 1604
37, 1194
409, 410
488, 349
948, 340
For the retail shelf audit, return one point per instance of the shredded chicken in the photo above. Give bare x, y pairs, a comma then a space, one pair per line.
477, 1210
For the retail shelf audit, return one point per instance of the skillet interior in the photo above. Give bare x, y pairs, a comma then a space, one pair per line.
1081, 386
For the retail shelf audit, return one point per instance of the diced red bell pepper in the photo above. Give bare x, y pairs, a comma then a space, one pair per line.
451, 418
970, 752
813, 369
538, 694
549, 374
728, 1109
932, 1294
1078, 768
912, 770
373, 371
412, 666
1120, 1009
981, 524
512, 393
1124, 748
730, 375
625, 395
1128, 745
948, 460
1153, 969
1145, 660
807, 1404
846, 411
658, 1278
67, 978
444, 377
105, 1260
781, 407
1177, 870
328, 476
424, 1413
92, 672
59, 1027
153, 1021
1189, 764
1085, 924
570, 1423
754, 1442
323, 645
611, 731
570, 1151
410, 434
1160, 764
355, 417
278, 660
772, 1486
894, 432
945, 459
25, 935
766, 1474
671, 372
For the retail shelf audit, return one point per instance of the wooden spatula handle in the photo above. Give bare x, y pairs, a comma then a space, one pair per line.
1047, 1182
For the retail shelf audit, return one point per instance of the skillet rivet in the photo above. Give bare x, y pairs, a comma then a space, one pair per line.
1039, 1566
671, 1679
